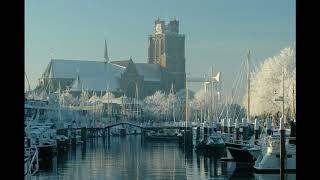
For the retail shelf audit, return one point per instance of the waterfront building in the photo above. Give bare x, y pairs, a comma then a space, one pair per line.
165, 68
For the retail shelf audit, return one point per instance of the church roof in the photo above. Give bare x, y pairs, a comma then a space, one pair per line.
151, 72
92, 75
123, 63
97, 75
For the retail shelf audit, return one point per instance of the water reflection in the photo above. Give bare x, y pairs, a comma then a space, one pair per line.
242, 171
132, 158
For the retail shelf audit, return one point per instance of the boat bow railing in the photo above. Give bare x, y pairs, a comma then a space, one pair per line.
33, 161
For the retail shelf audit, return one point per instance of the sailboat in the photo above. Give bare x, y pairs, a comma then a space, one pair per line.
239, 151
268, 160
214, 141
176, 132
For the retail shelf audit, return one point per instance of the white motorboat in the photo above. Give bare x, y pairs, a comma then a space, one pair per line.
269, 159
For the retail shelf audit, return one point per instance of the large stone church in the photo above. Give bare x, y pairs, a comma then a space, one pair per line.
165, 69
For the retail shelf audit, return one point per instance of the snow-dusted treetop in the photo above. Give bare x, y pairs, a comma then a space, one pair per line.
201, 99
266, 83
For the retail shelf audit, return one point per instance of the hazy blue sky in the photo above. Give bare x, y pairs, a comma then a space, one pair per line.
217, 31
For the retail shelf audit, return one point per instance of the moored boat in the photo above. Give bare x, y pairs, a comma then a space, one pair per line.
269, 161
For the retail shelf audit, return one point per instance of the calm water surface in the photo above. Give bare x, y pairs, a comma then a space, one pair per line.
130, 158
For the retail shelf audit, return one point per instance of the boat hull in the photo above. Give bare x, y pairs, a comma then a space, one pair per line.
271, 171
216, 146
213, 149
255, 152
241, 155
233, 145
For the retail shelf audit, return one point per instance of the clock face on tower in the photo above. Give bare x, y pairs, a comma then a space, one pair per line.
158, 28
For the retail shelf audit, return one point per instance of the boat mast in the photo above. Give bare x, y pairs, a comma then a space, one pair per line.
60, 115
137, 97
248, 86
227, 108
174, 116
186, 104
229, 101
205, 111
293, 104
108, 102
283, 116
201, 115
211, 93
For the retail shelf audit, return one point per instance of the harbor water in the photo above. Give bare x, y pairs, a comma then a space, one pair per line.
130, 158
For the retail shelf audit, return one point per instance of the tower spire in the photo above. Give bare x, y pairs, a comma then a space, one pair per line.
106, 57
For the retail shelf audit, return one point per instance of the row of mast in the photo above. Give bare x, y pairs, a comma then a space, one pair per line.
211, 93
248, 94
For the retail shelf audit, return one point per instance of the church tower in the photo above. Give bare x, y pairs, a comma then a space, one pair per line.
167, 48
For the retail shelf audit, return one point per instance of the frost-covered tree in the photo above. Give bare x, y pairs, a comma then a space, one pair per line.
156, 104
201, 100
233, 111
266, 84
161, 106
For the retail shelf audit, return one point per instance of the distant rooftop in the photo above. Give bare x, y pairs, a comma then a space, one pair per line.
93, 75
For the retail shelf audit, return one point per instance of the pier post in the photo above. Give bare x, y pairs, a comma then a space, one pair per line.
214, 126
244, 129
83, 134
103, 133
237, 129
109, 133
222, 126
143, 133
142, 138
256, 130
74, 135
225, 125
205, 133
188, 137
230, 125
198, 133
282, 148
